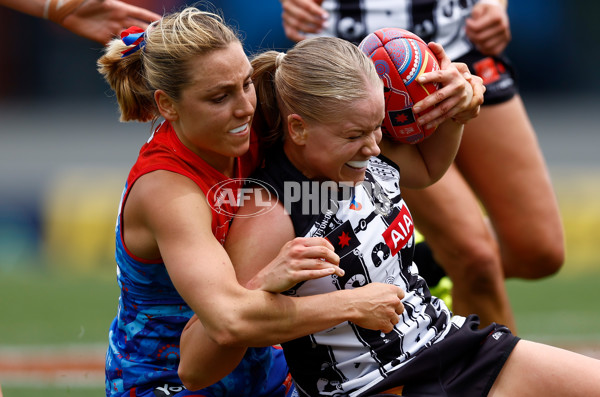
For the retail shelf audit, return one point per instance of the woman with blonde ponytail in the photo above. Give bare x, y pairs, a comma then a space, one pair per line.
324, 113
190, 70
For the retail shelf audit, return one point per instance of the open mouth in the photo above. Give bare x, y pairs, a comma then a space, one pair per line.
357, 164
239, 129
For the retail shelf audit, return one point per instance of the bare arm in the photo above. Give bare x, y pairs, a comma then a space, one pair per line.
178, 218
489, 27
98, 20
302, 16
254, 245
203, 362
456, 102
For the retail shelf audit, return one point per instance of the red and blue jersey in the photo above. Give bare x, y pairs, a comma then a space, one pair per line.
144, 337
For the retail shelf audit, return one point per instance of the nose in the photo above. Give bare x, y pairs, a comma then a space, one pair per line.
371, 147
246, 105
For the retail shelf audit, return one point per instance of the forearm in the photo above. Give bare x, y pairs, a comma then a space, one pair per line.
54, 10
30, 7
439, 150
424, 163
204, 359
270, 318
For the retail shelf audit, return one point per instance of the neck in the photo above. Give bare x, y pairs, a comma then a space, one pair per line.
221, 163
225, 166
294, 154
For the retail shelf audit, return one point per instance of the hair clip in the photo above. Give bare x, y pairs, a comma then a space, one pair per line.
133, 36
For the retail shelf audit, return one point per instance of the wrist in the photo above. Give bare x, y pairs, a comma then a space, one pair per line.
57, 10
255, 283
502, 3
351, 311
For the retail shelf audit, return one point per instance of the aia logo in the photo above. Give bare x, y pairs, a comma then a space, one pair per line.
227, 197
399, 232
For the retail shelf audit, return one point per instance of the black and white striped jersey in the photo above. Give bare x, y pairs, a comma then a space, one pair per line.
372, 231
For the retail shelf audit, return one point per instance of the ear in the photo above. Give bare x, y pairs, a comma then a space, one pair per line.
166, 105
297, 129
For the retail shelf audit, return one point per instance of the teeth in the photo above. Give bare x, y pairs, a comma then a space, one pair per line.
239, 129
358, 164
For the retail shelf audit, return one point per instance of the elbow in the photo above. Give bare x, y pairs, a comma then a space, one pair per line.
229, 332
204, 370
192, 380
422, 182
204, 365
227, 338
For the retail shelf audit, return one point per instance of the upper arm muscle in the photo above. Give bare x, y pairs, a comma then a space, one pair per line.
254, 241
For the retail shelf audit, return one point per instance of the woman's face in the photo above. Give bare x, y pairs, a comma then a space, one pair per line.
338, 150
215, 110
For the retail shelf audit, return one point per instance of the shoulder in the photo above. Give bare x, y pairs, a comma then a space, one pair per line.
261, 207
258, 231
261, 215
168, 198
163, 205
164, 183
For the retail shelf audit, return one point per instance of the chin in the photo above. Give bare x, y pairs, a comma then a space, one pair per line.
240, 150
353, 181
355, 177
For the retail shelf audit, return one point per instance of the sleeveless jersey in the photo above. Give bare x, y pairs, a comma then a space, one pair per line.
441, 21
372, 232
144, 337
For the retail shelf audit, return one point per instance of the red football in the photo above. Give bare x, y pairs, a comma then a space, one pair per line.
400, 57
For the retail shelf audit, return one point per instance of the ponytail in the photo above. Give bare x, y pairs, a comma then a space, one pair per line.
125, 75
163, 61
268, 122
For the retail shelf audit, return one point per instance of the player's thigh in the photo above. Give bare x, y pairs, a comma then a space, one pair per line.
535, 369
448, 214
501, 160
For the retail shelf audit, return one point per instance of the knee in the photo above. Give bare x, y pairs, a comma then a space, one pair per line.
537, 254
477, 265
538, 261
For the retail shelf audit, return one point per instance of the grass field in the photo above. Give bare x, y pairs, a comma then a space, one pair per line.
45, 310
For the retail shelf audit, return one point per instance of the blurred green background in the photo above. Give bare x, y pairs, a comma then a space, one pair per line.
64, 157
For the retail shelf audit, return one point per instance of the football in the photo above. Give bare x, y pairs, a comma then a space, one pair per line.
400, 57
